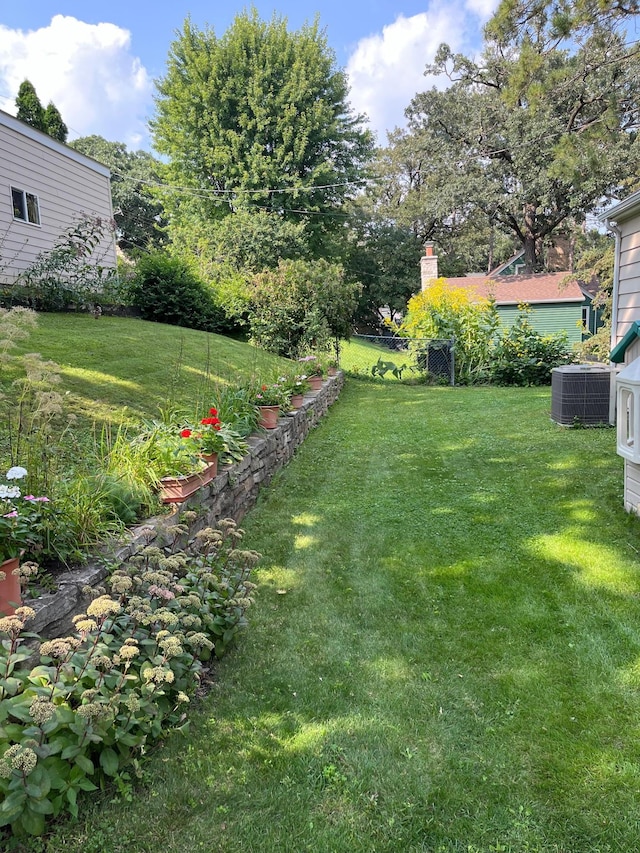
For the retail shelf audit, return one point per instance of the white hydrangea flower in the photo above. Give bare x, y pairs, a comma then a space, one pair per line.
9, 491
16, 473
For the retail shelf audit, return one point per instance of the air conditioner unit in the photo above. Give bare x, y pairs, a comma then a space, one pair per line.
581, 394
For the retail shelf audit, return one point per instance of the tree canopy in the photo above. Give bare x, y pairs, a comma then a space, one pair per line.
530, 136
259, 118
137, 211
31, 111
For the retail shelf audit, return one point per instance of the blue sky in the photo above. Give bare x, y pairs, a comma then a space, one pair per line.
97, 60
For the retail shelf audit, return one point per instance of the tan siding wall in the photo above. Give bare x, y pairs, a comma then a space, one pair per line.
65, 189
633, 352
629, 277
631, 486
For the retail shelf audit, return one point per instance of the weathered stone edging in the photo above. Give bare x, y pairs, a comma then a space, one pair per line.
230, 495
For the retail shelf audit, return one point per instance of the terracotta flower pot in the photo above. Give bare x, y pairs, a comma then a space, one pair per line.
177, 489
332, 371
9, 587
297, 400
269, 416
212, 466
315, 382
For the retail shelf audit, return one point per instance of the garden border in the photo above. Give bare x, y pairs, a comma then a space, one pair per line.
229, 495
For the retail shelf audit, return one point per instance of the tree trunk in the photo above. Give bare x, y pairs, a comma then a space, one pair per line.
530, 253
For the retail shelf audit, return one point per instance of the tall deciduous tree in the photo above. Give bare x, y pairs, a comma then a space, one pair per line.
138, 213
259, 118
530, 145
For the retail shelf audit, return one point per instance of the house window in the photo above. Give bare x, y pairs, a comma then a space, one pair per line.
586, 318
25, 206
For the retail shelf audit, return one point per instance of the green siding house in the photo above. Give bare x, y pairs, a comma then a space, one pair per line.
558, 302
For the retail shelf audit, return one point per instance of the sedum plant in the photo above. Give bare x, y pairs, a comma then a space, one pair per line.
95, 700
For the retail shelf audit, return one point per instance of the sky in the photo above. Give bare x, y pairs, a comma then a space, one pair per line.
97, 61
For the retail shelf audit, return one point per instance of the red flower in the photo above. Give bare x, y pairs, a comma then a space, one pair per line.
217, 426
186, 433
213, 412
264, 387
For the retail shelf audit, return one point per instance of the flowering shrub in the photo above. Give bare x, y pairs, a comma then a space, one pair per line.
96, 699
19, 517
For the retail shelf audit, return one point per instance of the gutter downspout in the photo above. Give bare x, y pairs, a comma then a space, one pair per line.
616, 279
612, 226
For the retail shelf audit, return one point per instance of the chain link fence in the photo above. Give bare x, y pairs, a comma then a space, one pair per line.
397, 358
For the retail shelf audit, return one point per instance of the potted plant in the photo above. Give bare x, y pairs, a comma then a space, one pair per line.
175, 461
296, 385
332, 366
270, 399
19, 515
314, 370
210, 440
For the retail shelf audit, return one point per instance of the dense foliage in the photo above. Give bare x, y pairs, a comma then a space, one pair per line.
443, 312
165, 289
527, 138
31, 111
138, 214
258, 118
301, 306
522, 356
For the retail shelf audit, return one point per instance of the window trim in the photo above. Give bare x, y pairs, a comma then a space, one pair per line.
28, 199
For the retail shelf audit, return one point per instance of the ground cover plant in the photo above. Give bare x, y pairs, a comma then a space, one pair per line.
443, 655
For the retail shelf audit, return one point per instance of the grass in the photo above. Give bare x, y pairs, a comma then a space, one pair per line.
115, 368
359, 356
444, 654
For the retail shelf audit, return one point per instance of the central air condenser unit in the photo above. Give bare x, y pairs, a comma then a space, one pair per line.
581, 394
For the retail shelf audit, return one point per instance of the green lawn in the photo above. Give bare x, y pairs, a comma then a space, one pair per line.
444, 654
116, 367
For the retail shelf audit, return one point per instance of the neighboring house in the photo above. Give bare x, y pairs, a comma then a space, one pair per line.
558, 302
623, 220
45, 187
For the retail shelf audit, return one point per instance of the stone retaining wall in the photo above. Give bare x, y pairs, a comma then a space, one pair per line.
230, 495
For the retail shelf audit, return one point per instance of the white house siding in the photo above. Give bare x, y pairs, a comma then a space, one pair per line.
67, 185
628, 302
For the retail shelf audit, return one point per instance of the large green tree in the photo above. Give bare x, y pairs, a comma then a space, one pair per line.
528, 146
259, 118
137, 211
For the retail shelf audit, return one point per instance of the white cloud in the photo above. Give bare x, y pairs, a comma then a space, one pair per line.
87, 70
483, 8
387, 69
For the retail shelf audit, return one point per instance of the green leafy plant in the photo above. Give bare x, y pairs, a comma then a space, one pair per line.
166, 290
523, 356
236, 408
72, 273
272, 394
87, 710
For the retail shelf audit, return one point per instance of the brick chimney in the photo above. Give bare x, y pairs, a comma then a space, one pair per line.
428, 266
